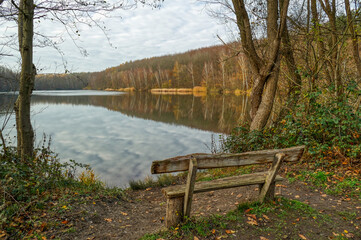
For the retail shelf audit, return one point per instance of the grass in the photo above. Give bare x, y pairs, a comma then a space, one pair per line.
161, 181
346, 184
249, 219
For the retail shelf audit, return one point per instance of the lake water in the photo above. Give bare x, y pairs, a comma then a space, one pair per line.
120, 134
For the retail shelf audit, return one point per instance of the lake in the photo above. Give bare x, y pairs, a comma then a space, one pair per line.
120, 134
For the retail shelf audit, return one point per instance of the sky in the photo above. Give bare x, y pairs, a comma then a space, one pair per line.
143, 32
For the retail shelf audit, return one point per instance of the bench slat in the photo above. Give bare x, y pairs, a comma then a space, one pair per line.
206, 161
222, 183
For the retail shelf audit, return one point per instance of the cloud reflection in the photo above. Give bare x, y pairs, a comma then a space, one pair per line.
118, 147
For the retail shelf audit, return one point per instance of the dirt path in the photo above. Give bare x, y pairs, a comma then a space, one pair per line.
145, 210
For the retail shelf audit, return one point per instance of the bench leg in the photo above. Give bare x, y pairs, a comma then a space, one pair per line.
270, 196
175, 207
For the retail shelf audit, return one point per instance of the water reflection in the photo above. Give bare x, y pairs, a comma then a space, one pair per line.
139, 128
212, 113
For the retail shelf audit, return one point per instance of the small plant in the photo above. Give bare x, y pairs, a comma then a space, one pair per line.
88, 177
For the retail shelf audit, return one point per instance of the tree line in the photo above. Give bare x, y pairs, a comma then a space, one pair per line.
8, 80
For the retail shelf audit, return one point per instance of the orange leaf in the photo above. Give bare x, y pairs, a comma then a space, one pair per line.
252, 216
108, 219
65, 222
230, 231
248, 210
303, 237
213, 231
123, 213
263, 238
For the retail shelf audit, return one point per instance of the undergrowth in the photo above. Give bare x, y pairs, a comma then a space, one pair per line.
330, 130
39, 185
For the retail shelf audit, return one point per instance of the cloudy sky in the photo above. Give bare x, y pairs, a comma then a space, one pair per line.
178, 26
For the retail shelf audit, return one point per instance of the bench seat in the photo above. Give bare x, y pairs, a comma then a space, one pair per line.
221, 183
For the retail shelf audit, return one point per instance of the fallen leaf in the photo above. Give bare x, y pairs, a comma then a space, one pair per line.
222, 236
108, 219
213, 231
251, 221
239, 195
123, 213
195, 238
265, 217
349, 235
65, 222
303, 237
248, 210
263, 238
148, 189
42, 227
252, 216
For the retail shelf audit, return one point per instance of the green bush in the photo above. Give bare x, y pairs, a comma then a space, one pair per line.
330, 130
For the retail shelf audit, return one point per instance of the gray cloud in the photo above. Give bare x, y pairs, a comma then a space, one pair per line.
179, 25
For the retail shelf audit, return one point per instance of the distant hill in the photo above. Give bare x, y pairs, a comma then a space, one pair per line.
216, 67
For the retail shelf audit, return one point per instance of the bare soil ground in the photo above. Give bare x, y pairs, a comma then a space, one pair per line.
144, 211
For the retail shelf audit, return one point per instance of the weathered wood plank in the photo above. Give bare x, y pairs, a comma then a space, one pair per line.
191, 179
206, 161
222, 183
271, 176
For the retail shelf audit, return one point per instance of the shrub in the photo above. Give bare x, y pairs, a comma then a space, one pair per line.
330, 130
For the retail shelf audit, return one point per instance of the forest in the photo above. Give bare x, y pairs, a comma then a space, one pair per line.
8, 80
210, 67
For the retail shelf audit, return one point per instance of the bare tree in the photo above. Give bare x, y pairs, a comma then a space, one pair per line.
265, 68
71, 14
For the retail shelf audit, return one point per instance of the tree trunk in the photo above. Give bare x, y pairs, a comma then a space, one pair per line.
354, 40
265, 70
27, 76
265, 108
295, 82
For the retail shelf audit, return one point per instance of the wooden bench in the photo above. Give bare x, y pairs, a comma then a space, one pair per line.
179, 197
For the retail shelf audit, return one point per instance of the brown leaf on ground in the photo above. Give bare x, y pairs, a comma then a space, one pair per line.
248, 210
230, 231
108, 219
303, 237
252, 216
263, 238
251, 221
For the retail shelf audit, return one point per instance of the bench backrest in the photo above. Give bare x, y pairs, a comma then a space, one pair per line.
206, 161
